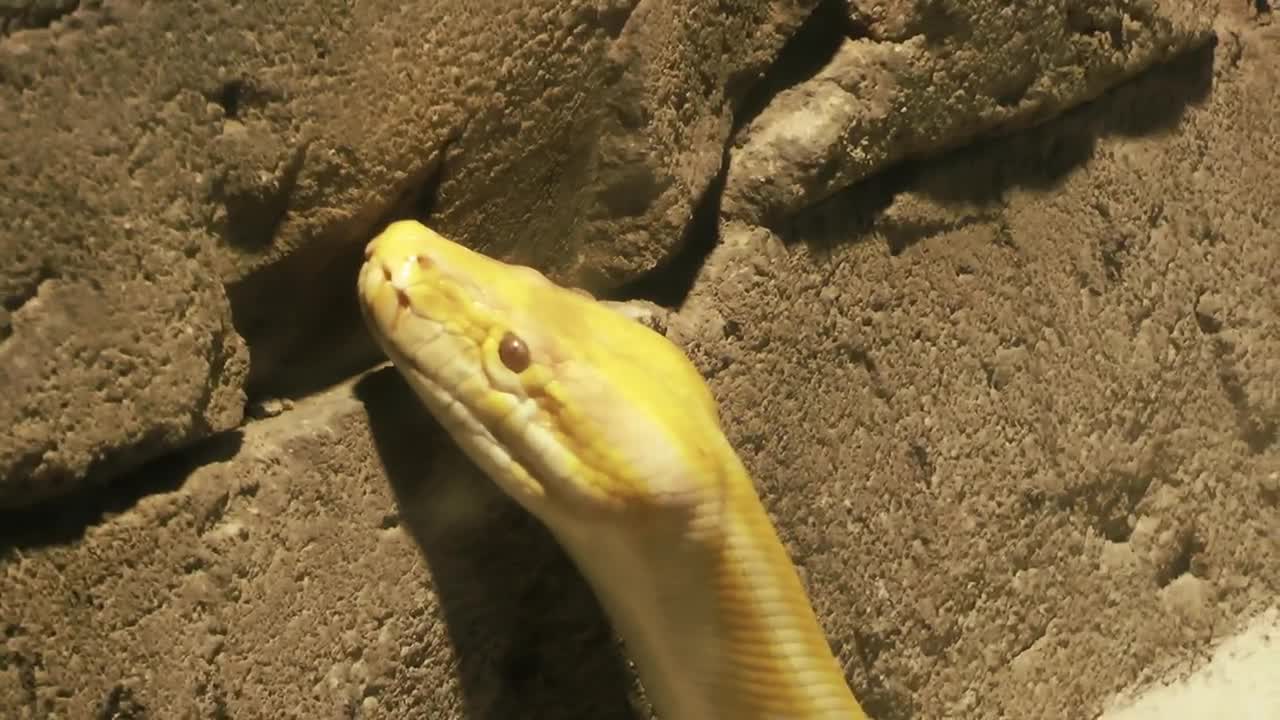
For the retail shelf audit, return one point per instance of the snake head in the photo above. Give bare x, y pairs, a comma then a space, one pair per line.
569, 406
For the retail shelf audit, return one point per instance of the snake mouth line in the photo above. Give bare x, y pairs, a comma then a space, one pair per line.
406, 335
389, 315
531, 451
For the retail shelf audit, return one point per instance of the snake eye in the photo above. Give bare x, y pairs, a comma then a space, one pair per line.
513, 353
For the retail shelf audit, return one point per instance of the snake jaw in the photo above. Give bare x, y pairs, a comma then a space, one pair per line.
486, 407
387, 299
550, 434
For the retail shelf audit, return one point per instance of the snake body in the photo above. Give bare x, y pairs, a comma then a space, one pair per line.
606, 432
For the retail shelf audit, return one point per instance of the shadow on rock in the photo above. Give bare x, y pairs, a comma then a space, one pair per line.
980, 174
530, 638
64, 520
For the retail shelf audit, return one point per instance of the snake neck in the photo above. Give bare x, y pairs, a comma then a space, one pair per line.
778, 663
714, 616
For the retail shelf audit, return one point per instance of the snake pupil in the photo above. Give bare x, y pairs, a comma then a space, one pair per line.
513, 353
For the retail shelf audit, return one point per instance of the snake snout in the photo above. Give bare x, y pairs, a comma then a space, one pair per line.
400, 287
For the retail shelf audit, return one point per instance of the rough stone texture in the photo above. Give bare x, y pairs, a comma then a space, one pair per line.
915, 78
1238, 681
169, 171
18, 14
275, 573
1015, 411
107, 368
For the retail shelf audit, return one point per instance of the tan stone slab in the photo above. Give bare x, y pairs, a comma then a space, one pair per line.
275, 573
917, 78
1016, 410
155, 153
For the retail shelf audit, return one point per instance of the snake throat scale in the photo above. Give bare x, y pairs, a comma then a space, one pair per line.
605, 431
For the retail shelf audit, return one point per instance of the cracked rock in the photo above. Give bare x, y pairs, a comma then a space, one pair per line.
924, 77
186, 186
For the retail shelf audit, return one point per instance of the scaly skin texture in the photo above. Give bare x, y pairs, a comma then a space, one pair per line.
605, 431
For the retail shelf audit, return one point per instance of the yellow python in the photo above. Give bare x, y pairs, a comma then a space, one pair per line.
603, 429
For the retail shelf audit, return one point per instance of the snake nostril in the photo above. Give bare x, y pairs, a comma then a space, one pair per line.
423, 262
386, 273
402, 297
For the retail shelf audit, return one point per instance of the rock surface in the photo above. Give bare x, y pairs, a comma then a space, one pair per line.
214, 188
338, 560
912, 78
1014, 408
